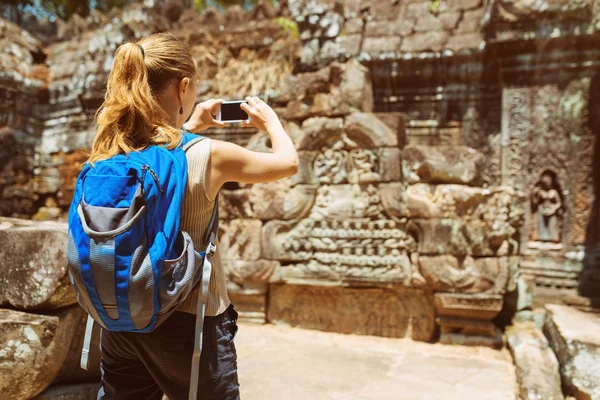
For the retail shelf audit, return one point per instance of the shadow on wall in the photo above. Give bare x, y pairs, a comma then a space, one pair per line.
589, 280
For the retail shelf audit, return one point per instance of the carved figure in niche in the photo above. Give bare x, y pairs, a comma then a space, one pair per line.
364, 163
344, 201
345, 162
546, 207
330, 166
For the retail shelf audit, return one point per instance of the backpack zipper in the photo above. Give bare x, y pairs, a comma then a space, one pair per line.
146, 168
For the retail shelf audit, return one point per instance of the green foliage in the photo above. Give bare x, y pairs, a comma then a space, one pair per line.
200, 5
288, 25
434, 8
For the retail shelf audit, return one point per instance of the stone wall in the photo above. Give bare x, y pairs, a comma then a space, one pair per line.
515, 80
446, 153
41, 326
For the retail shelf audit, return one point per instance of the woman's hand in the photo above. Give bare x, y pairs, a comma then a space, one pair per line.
261, 115
203, 117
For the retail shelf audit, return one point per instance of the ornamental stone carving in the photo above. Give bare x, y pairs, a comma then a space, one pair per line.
345, 162
547, 209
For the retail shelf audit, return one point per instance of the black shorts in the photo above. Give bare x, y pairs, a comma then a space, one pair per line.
146, 365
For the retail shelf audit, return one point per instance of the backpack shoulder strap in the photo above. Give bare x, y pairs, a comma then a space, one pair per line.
189, 139
210, 236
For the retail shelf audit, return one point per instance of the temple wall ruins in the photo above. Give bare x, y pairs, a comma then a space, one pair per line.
448, 154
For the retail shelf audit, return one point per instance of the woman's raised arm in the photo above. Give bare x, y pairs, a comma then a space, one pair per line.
232, 163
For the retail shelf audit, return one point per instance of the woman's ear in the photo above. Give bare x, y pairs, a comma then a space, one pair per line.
184, 85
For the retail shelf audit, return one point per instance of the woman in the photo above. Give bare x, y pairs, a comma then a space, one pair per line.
151, 92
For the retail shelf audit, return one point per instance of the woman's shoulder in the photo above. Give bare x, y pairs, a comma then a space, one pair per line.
200, 146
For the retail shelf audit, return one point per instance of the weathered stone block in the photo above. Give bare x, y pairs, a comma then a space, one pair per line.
449, 19
379, 28
471, 21
464, 4
384, 44
390, 164
573, 335
537, 366
397, 123
425, 41
416, 10
251, 305
381, 312
447, 273
428, 22
393, 198
277, 200
34, 264
464, 41
247, 273
333, 91
470, 306
526, 292
461, 238
465, 318
235, 204
318, 132
368, 131
353, 26
32, 351
306, 173
346, 46
469, 332
239, 239
443, 164
355, 85
339, 202
352, 8
458, 201
303, 85
385, 10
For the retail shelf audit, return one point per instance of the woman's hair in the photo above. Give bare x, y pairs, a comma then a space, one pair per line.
131, 117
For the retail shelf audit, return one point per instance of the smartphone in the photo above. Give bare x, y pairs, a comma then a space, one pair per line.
231, 112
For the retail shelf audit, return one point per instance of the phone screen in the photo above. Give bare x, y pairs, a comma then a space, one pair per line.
233, 112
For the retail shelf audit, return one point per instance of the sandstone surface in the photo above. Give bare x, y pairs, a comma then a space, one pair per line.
573, 335
537, 367
32, 350
34, 265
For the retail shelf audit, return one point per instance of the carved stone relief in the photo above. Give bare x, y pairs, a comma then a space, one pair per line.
466, 274
278, 200
345, 162
476, 238
546, 208
547, 152
7, 105
356, 241
239, 239
346, 201
367, 311
393, 198
442, 164
458, 201
466, 319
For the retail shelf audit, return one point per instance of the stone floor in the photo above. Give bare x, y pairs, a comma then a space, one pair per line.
292, 364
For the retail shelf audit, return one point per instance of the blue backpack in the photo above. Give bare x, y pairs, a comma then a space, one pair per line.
129, 262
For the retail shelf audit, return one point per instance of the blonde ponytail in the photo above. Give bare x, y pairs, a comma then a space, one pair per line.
131, 118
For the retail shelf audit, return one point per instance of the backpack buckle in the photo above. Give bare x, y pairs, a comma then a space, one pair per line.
211, 249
